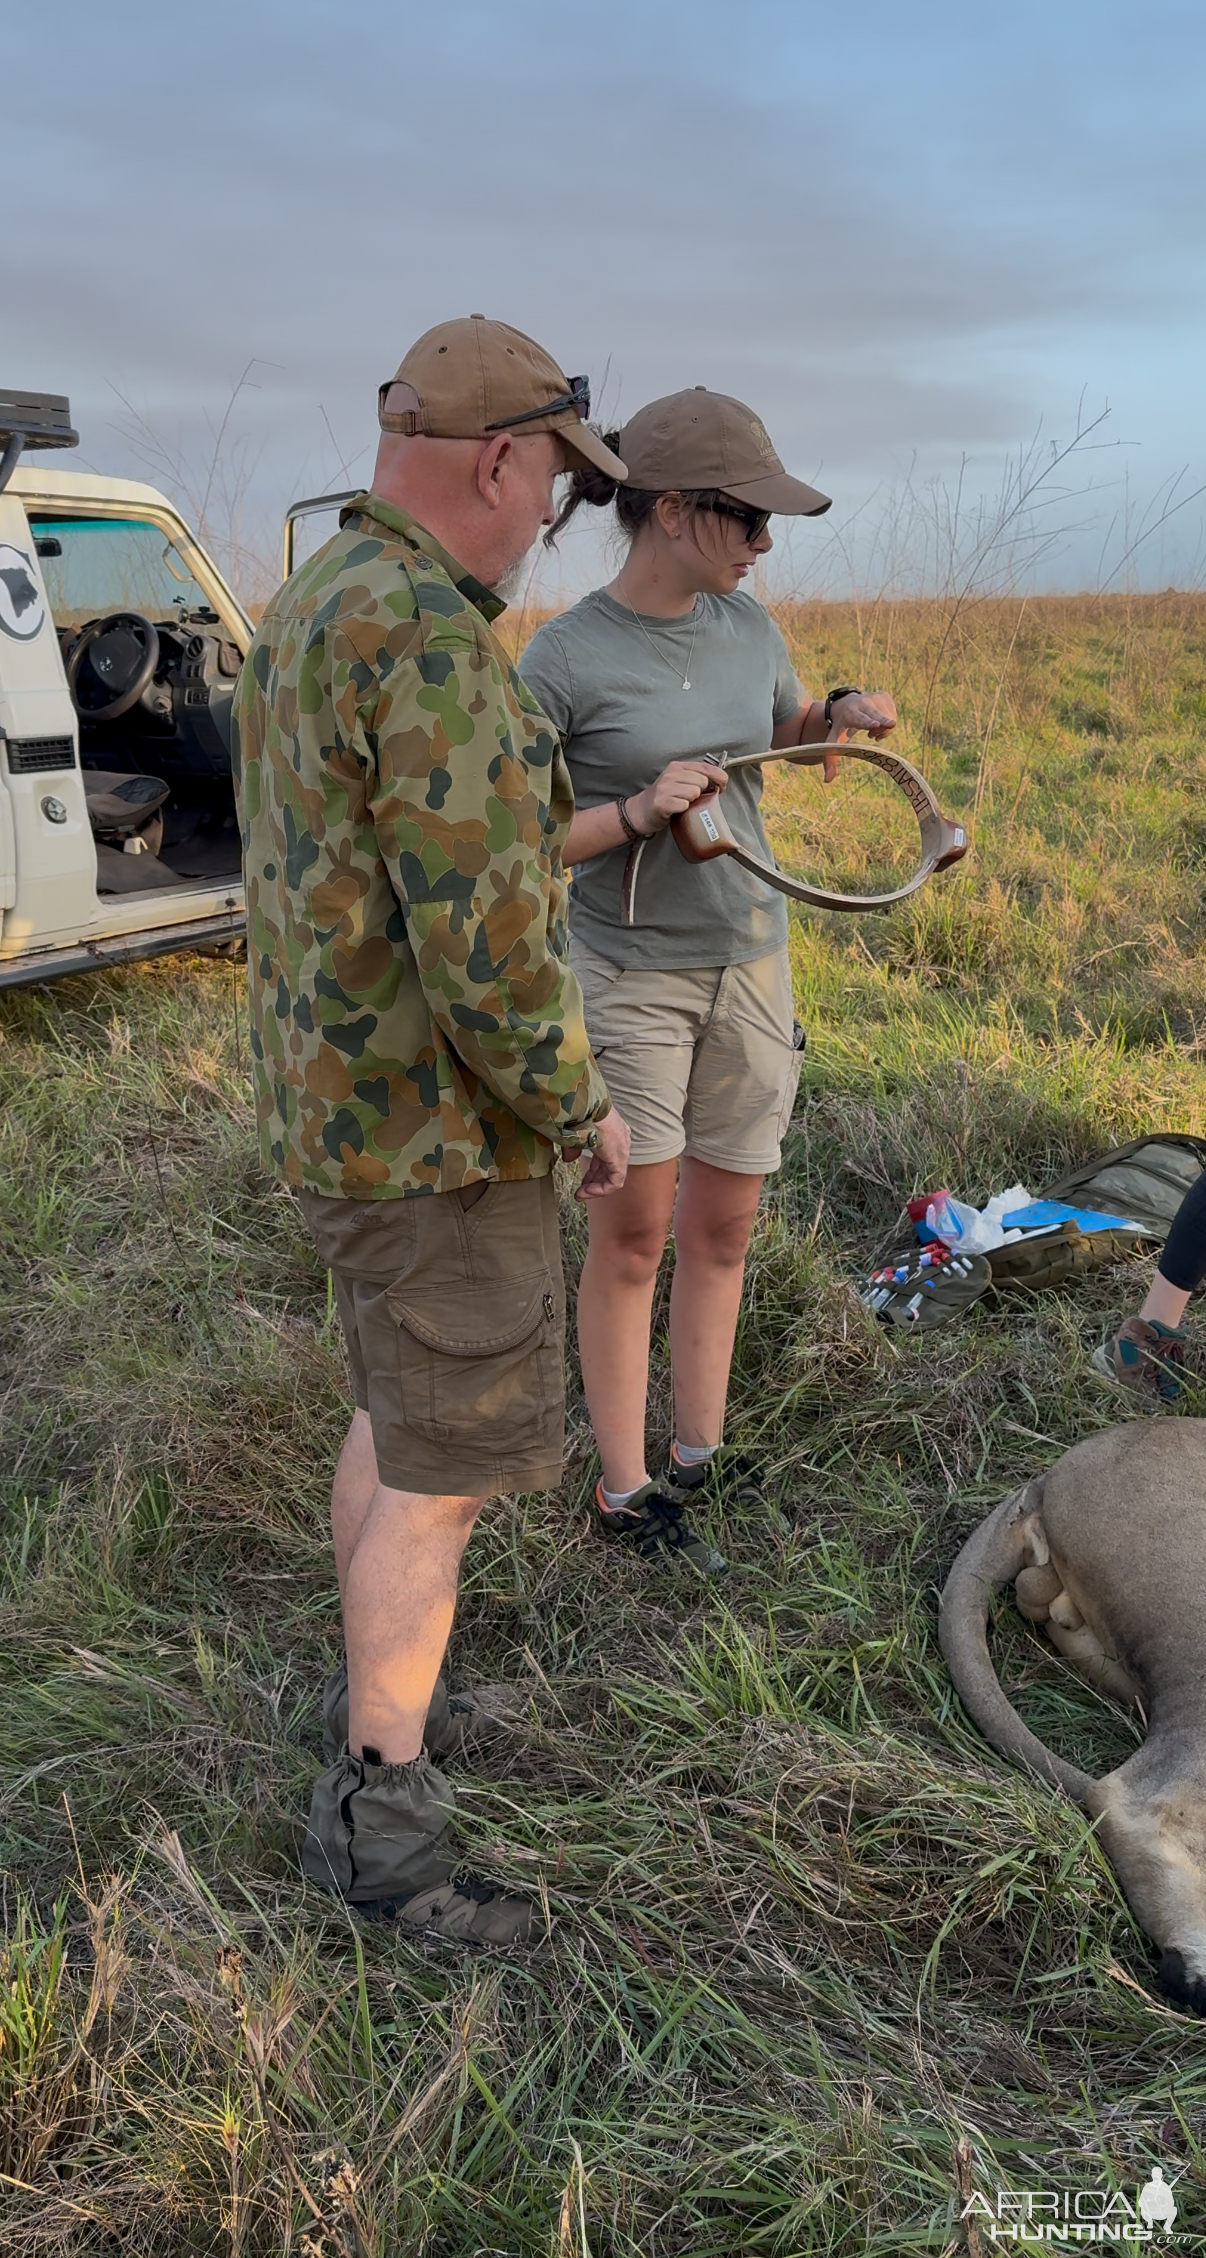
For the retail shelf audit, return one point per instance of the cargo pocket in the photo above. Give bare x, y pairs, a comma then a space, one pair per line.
482, 1366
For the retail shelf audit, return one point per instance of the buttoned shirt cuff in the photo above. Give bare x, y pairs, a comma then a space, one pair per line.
585, 1138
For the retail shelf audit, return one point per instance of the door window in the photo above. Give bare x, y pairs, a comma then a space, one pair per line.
93, 566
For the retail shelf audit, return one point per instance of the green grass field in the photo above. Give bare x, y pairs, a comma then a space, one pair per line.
819, 1964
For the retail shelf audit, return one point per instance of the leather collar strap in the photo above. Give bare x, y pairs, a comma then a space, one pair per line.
702, 833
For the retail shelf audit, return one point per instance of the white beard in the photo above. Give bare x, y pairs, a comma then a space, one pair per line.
510, 582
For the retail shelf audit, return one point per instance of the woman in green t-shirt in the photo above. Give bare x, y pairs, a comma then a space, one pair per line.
650, 681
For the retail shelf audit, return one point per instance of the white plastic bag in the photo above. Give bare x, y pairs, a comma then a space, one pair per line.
977, 1230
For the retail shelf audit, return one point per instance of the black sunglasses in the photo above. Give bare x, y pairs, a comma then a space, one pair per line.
754, 521
577, 398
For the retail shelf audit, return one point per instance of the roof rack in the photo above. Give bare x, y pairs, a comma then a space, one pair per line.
32, 419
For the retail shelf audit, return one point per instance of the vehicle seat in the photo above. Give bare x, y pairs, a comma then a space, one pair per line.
125, 813
121, 806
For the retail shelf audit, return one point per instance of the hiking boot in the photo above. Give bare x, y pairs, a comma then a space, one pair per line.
1146, 1358
729, 1475
376, 1837
455, 1722
654, 1522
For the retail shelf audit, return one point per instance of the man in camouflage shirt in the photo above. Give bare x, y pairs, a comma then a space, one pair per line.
420, 1058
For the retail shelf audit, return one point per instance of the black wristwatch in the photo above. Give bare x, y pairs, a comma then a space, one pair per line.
847, 690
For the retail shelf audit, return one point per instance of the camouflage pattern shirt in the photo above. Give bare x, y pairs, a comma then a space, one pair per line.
404, 805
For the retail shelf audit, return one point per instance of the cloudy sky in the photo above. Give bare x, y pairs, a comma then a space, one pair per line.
909, 235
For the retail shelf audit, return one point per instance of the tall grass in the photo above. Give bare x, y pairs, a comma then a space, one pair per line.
815, 1955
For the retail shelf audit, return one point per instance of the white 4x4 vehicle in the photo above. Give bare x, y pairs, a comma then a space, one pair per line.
119, 647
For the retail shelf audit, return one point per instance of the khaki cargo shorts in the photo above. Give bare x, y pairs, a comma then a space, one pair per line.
703, 1062
453, 1305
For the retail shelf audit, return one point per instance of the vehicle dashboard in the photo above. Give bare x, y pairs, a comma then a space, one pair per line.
182, 722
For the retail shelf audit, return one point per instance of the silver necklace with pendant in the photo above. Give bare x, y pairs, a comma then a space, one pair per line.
686, 680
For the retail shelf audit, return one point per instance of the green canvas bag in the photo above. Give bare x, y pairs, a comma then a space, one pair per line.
1146, 1180
1050, 1258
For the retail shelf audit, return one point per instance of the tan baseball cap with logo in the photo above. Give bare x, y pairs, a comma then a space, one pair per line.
475, 378
701, 439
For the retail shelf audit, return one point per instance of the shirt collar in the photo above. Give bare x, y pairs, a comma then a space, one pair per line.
416, 536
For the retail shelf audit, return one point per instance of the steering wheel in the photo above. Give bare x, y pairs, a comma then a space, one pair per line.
124, 653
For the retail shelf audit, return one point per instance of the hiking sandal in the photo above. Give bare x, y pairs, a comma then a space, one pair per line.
929, 1297
654, 1523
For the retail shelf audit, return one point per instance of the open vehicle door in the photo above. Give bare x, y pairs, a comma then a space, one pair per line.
120, 646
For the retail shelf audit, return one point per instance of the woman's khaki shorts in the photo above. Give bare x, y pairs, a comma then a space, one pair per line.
454, 1309
702, 1062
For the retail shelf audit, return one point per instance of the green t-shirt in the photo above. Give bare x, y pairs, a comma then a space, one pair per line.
622, 714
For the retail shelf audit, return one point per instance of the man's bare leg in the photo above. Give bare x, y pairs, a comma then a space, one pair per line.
400, 1557
352, 1491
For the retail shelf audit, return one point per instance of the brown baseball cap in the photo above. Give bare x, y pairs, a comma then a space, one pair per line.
475, 378
702, 439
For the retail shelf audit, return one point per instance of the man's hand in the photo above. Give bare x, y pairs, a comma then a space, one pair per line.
678, 787
607, 1165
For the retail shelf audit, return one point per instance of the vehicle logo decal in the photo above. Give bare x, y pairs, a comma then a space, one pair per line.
22, 611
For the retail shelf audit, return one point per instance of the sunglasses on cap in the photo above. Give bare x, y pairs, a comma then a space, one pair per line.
754, 521
577, 398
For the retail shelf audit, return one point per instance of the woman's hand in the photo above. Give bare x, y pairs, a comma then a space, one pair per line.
872, 710
598, 830
678, 787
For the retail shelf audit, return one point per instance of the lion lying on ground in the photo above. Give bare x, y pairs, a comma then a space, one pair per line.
1108, 1551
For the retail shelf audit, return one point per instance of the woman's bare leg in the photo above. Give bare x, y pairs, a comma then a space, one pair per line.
713, 1217
1182, 1266
1165, 1303
615, 1300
